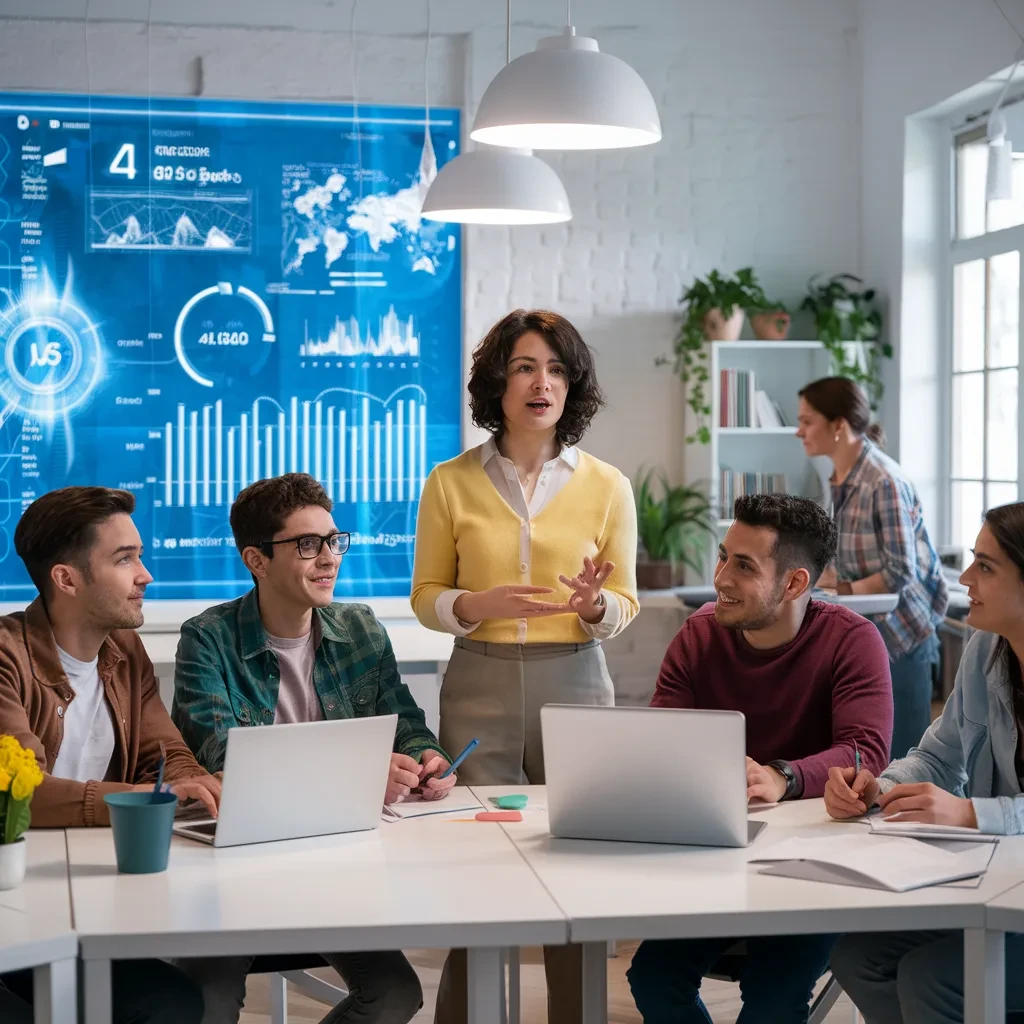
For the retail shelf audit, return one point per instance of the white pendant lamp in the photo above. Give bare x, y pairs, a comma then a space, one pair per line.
567, 94
497, 186
999, 174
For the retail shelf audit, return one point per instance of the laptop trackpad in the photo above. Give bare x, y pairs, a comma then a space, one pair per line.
754, 829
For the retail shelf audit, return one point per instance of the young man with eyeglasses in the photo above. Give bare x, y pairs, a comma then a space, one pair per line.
285, 652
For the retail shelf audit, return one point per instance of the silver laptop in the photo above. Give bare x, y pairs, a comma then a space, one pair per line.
306, 779
647, 775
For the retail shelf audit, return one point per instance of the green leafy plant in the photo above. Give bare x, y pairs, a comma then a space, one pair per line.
675, 526
690, 360
843, 314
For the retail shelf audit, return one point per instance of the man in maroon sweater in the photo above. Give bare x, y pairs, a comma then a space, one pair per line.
813, 681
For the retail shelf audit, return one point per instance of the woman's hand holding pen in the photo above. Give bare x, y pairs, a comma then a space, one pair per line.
586, 600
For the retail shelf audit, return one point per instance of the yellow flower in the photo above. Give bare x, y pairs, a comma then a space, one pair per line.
22, 787
5, 779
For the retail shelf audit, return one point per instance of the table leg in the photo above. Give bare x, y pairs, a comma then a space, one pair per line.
96, 990
55, 992
485, 968
595, 983
984, 976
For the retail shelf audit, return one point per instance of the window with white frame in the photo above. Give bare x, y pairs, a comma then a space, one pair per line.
984, 468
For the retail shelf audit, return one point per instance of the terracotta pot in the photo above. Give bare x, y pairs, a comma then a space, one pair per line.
770, 325
654, 575
12, 864
717, 328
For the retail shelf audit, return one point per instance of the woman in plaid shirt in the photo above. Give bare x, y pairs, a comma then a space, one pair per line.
884, 547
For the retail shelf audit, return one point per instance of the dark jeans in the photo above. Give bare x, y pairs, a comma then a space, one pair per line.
778, 977
916, 977
912, 677
143, 991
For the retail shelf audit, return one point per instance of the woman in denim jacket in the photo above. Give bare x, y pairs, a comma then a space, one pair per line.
967, 770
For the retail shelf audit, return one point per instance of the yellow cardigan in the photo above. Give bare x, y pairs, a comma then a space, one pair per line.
467, 537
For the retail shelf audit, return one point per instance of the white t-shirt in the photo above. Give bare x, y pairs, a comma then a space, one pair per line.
88, 743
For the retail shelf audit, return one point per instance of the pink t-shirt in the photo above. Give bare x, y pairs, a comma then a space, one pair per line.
297, 700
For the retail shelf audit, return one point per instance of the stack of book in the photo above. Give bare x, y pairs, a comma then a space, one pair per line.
734, 485
742, 405
737, 408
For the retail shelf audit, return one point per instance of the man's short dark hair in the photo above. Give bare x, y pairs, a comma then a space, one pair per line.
260, 509
488, 377
805, 534
60, 527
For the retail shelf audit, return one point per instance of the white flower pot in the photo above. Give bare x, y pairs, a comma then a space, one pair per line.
12, 864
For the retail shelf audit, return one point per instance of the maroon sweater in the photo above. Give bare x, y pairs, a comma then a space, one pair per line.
805, 702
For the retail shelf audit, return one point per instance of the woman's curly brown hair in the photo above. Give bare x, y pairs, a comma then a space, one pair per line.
490, 362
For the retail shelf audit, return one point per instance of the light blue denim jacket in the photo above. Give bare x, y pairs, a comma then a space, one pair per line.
969, 750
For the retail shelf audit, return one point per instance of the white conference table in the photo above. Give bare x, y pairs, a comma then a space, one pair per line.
613, 891
424, 883
36, 930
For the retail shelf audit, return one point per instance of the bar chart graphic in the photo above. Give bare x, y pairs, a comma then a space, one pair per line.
360, 447
346, 338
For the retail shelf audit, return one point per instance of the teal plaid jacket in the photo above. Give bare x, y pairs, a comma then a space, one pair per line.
226, 674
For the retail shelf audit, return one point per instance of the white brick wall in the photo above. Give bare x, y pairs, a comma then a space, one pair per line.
760, 162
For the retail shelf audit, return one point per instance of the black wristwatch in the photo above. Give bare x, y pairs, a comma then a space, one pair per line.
794, 788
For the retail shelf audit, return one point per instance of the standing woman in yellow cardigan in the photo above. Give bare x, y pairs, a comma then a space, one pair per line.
526, 553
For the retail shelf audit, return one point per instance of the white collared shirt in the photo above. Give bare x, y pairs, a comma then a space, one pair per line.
553, 477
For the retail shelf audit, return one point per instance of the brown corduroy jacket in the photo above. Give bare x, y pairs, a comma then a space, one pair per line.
34, 691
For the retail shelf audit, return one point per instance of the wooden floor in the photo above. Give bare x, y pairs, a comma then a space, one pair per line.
722, 1000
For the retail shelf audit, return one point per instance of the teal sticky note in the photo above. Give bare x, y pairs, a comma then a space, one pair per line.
512, 802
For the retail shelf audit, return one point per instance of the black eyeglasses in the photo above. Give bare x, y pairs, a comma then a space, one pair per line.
309, 545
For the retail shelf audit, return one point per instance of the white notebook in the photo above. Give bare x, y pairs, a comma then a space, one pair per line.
458, 801
922, 830
876, 862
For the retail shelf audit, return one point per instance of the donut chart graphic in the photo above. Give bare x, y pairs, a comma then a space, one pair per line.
52, 356
221, 288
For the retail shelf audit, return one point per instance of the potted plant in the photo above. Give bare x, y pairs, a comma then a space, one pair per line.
770, 321
849, 327
672, 528
714, 311
19, 776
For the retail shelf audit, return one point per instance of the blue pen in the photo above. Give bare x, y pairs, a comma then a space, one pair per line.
856, 757
470, 747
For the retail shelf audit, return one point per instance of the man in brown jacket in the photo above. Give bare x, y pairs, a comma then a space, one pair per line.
77, 687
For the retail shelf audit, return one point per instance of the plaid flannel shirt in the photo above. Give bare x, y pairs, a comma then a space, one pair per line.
227, 674
881, 529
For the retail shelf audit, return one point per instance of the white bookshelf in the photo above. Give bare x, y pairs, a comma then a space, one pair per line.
781, 369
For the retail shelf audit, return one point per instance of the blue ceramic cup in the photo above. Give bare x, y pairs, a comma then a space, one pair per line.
142, 824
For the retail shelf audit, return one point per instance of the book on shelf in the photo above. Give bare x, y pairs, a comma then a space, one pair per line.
733, 485
768, 412
737, 399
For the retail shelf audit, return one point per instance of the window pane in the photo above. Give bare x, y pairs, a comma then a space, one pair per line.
1003, 306
971, 170
1000, 494
968, 425
1002, 425
967, 509
969, 315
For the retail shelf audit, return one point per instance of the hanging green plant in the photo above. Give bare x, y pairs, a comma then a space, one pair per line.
849, 327
713, 311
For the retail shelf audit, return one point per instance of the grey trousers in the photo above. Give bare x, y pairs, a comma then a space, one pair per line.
915, 977
494, 692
